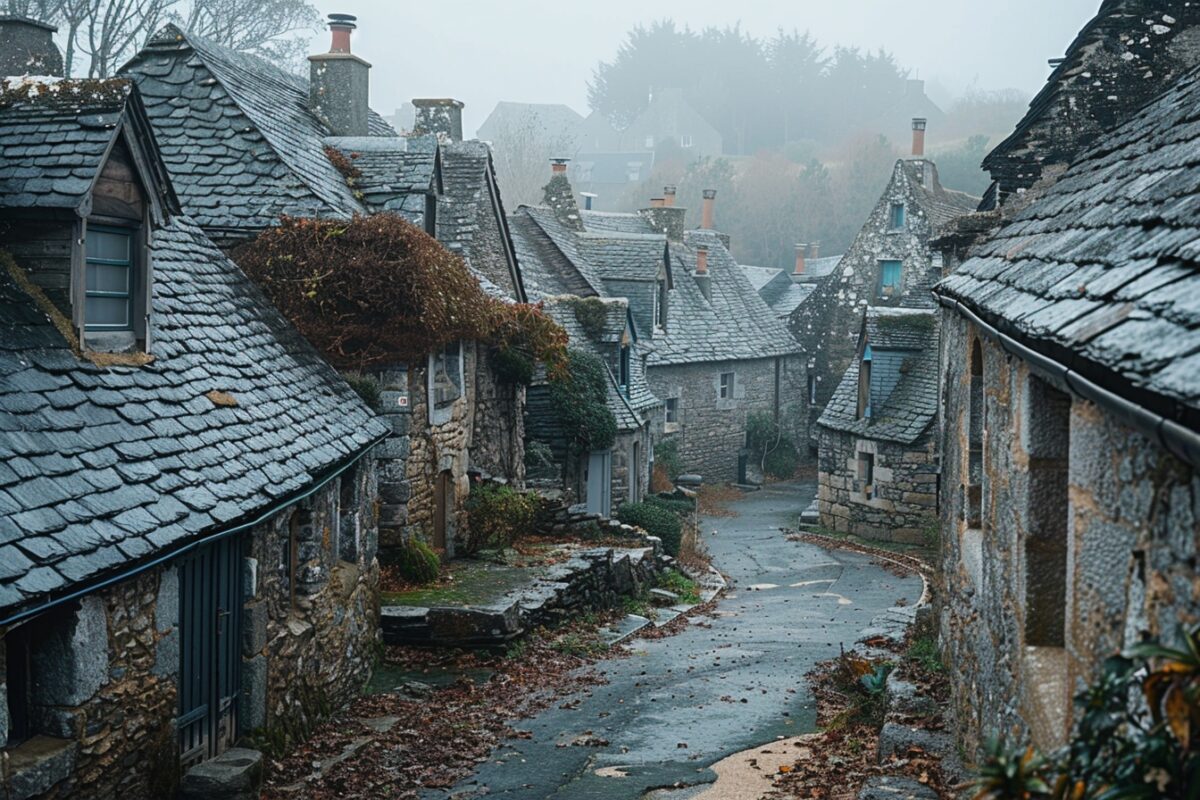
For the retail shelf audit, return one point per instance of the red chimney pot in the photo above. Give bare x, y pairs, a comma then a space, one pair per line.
706, 210
669, 196
340, 26
701, 259
558, 166
801, 250
918, 142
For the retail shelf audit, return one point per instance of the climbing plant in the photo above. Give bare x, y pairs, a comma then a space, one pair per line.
378, 290
579, 395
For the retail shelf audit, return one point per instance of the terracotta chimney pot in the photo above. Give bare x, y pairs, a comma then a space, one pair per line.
701, 260
918, 142
706, 210
801, 250
340, 26
669, 196
558, 166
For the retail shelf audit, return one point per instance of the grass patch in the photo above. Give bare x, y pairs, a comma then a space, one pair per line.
922, 551
675, 581
581, 644
923, 651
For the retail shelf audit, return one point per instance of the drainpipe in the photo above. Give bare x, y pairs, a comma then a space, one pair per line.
1177, 440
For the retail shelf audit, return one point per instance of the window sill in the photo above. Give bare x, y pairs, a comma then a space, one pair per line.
36, 765
670, 427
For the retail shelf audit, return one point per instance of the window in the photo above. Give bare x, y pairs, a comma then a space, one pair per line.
685, 140
1047, 434
672, 412
650, 142
812, 389
864, 385
726, 386
633, 171
660, 306
625, 365
346, 542
17, 676
896, 220
889, 277
446, 375
108, 303
973, 505
866, 470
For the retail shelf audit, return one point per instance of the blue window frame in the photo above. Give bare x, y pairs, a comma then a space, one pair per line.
896, 221
889, 277
625, 369
864, 385
108, 295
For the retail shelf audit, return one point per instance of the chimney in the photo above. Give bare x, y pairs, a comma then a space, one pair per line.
706, 211
669, 196
560, 197
801, 251
814, 250
338, 82
27, 47
658, 202
440, 117
701, 276
918, 128
588, 197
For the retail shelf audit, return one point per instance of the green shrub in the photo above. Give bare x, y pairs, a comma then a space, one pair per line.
775, 453
539, 460
580, 402
678, 505
512, 366
782, 461
417, 562
365, 386
497, 516
675, 581
666, 455
656, 521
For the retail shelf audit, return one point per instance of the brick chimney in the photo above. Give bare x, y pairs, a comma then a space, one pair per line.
801, 252
439, 116
669, 196
918, 142
701, 276
814, 251
27, 47
338, 82
706, 210
658, 202
560, 197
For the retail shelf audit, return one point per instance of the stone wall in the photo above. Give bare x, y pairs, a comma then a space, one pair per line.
483, 431
902, 504
1038, 591
712, 431
106, 668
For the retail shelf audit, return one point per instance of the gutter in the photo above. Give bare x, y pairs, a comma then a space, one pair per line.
1179, 441
212, 537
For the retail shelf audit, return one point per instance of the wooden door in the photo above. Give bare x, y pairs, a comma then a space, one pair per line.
443, 508
210, 605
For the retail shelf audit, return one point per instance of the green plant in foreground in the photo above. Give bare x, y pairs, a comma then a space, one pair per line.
497, 516
418, 563
656, 521
675, 581
923, 650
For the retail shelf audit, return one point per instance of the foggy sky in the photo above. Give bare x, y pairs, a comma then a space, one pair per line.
544, 51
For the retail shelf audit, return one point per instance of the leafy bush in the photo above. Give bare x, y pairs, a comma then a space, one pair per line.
417, 563
775, 453
1116, 749
579, 396
679, 505
497, 516
539, 460
675, 581
656, 521
365, 386
666, 455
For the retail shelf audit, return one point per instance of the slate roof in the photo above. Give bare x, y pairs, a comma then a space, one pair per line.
395, 174
55, 136
103, 468
778, 290
623, 256
1102, 271
616, 222
236, 133
544, 269
942, 205
910, 408
736, 324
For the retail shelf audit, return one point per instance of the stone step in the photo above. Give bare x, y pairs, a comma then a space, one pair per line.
622, 629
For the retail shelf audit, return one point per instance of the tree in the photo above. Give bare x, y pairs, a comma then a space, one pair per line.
522, 148
273, 29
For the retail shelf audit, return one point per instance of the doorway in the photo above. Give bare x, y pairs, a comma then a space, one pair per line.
599, 482
443, 510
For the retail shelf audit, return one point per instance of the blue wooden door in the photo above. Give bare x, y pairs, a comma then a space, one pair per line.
210, 603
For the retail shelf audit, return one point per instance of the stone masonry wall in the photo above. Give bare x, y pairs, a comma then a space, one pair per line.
712, 431
902, 506
106, 668
1126, 570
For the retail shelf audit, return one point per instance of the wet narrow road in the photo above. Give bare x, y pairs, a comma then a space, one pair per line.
679, 704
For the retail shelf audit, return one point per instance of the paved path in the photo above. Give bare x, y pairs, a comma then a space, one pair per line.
679, 704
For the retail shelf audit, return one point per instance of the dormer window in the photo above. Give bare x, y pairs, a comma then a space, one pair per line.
864, 385
660, 305
109, 279
625, 369
896, 218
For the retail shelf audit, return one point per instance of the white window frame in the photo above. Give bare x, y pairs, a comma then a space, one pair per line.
726, 388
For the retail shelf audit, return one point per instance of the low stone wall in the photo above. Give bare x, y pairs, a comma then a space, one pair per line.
592, 579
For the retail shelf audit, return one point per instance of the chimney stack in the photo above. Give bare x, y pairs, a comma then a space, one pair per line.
701, 276
706, 211
439, 116
658, 202
918, 144
814, 250
27, 47
801, 252
560, 197
338, 82
701, 259
588, 197
669, 196
558, 166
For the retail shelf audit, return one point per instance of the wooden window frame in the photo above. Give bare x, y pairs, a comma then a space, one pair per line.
725, 388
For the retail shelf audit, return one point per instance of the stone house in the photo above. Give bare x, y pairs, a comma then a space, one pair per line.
877, 465
889, 263
187, 513
601, 480
1071, 433
785, 290
714, 351
669, 117
257, 143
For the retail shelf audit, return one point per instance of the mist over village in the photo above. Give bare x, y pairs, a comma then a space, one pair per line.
623, 401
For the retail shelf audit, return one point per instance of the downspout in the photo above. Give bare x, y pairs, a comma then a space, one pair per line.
1181, 442
212, 537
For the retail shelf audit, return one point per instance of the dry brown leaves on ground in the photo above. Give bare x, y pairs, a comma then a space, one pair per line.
715, 499
393, 746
